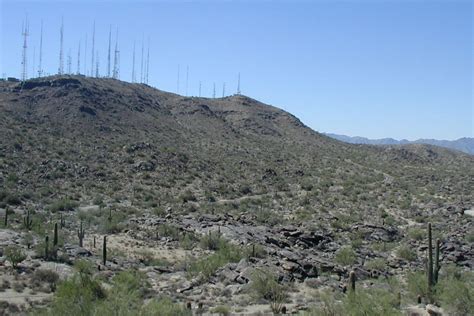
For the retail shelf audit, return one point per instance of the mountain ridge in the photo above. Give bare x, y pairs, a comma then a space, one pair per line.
464, 144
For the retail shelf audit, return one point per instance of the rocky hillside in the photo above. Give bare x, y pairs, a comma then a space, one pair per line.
200, 193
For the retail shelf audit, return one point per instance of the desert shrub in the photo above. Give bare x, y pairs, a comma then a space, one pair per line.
164, 307
63, 205
207, 266
187, 196
406, 253
265, 286
256, 251
416, 233
377, 264
222, 310
15, 255
41, 277
345, 256
328, 306
212, 241
417, 284
170, 231
455, 291
371, 302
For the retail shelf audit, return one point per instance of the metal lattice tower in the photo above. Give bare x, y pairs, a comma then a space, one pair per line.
69, 62
133, 63
141, 65
85, 57
238, 85
108, 54
116, 71
223, 90
200, 88
177, 90
40, 66
78, 71
214, 91
97, 63
61, 54
147, 62
25, 33
34, 60
187, 79
93, 50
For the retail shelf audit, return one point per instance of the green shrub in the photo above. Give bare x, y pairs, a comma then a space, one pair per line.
416, 233
164, 307
63, 205
455, 291
345, 256
371, 302
377, 264
15, 255
406, 253
264, 285
221, 310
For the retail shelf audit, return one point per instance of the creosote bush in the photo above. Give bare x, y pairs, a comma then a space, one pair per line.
345, 256
15, 255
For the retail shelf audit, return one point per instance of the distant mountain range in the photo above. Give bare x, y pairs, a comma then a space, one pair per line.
465, 144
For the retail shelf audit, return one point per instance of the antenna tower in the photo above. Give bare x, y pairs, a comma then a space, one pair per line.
214, 91
85, 57
25, 32
69, 62
93, 50
223, 90
200, 88
97, 65
141, 65
187, 78
116, 71
177, 91
133, 64
238, 85
108, 55
40, 70
147, 62
61, 40
79, 59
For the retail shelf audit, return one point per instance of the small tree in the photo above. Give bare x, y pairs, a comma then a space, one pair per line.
15, 255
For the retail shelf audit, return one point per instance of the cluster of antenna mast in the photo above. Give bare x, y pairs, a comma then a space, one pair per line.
94, 70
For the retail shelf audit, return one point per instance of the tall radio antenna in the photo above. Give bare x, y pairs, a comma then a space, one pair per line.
214, 91
85, 57
116, 72
187, 78
133, 63
79, 59
61, 40
40, 70
69, 62
223, 90
238, 85
25, 32
147, 62
108, 54
200, 88
97, 65
93, 49
141, 65
177, 90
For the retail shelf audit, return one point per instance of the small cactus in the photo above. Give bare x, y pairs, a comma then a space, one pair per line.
46, 247
104, 251
62, 221
94, 241
27, 221
352, 281
6, 217
80, 235
55, 240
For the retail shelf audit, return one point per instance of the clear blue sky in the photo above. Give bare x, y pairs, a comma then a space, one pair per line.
399, 69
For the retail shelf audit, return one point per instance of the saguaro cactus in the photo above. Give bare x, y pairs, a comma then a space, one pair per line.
46, 247
6, 217
27, 221
55, 240
104, 251
62, 221
432, 267
80, 235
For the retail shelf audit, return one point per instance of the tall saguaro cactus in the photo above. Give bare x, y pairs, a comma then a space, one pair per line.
27, 221
55, 240
80, 235
104, 251
433, 267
